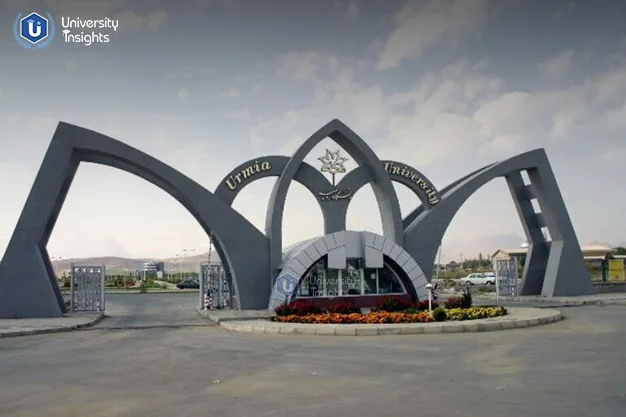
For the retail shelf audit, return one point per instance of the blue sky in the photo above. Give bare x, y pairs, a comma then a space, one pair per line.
446, 86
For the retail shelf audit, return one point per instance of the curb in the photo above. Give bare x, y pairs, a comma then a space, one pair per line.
215, 317
560, 303
509, 322
61, 329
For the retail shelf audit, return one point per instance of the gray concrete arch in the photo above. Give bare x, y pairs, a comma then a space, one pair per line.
419, 210
312, 179
28, 287
361, 176
364, 156
553, 268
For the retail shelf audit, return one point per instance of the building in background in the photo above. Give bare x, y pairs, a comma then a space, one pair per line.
152, 269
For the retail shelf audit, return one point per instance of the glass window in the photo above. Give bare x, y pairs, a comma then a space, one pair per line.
370, 281
352, 281
332, 283
388, 282
351, 278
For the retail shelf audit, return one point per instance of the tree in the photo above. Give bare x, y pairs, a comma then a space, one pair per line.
620, 251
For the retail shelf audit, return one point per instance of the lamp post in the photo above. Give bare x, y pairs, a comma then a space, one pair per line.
429, 287
185, 252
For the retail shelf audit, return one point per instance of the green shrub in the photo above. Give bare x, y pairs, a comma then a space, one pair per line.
466, 298
439, 314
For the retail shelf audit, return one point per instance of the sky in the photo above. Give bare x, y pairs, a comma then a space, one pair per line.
446, 86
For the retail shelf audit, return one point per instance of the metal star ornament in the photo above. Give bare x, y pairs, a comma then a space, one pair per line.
333, 163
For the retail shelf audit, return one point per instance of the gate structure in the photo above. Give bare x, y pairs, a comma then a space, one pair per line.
87, 288
216, 291
507, 277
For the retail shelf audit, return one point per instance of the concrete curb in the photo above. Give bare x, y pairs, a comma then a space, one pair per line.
516, 319
221, 316
562, 302
59, 329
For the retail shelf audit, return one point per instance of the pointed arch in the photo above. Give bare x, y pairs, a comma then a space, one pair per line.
364, 156
28, 287
553, 268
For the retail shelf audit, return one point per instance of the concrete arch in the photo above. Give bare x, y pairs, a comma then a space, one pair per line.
364, 156
28, 286
553, 268
419, 210
361, 176
338, 246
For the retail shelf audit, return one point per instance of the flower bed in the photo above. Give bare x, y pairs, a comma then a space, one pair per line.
389, 310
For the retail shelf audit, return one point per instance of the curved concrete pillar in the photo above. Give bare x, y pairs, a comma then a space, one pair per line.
28, 287
364, 156
553, 268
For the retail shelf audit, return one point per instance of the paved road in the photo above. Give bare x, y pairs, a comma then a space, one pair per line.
125, 311
576, 367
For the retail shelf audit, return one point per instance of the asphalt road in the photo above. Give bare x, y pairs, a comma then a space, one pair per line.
576, 367
126, 311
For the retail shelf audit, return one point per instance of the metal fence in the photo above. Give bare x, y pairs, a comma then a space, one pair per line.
87, 288
507, 281
216, 290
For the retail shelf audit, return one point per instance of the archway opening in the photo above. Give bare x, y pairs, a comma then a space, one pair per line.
251, 202
406, 198
145, 239
363, 212
302, 218
487, 226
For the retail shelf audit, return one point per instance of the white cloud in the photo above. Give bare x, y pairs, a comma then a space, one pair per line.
558, 66
92, 9
156, 19
422, 25
129, 20
183, 93
447, 113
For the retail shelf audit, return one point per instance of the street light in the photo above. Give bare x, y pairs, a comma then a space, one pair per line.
430, 287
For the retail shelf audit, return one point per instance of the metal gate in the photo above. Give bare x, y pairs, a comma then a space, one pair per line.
215, 288
507, 281
87, 288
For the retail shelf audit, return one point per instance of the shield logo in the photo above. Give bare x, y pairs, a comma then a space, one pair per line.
286, 285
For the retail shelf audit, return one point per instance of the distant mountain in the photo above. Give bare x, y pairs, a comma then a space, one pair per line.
119, 265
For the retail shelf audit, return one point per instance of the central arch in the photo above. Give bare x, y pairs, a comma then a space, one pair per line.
26, 271
364, 156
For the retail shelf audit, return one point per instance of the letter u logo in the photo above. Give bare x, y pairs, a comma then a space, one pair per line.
31, 28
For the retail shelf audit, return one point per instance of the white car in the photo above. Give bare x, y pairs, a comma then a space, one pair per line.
479, 278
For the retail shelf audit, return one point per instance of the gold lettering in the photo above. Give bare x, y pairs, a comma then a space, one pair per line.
388, 166
395, 170
414, 177
235, 179
231, 183
248, 172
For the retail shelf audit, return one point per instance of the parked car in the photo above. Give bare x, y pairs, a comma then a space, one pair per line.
481, 278
188, 283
